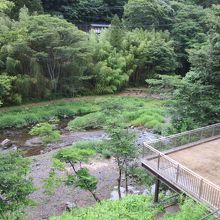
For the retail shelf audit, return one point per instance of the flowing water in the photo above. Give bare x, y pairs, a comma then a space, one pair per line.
21, 136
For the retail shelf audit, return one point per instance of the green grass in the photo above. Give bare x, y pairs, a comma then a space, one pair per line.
135, 207
90, 121
131, 207
134, 111
24, 116
88, 113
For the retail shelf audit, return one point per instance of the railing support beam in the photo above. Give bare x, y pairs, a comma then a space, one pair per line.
157, 190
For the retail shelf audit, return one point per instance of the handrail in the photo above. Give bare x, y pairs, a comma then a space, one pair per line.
182, 166
183, 133
189, 181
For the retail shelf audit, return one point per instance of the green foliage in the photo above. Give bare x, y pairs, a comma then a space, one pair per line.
90, 121
98, 146
130, 207
74, 155
46, 132
140, 176
85, 180
32, 5
28, 115
6, 93
47, 54
85, 11
197, 99
81, 176
148, 14
134, 112
51, 183
189, 29
189, 210
15, 187
6, 5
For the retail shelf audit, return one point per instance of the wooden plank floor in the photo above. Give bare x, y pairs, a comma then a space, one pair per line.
203, 159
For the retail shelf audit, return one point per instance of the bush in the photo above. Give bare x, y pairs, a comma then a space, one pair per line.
130, 207
46, 132
15, 187
141, 176
189, 210
98, 146
90, 121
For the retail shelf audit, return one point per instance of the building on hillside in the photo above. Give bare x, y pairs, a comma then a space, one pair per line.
99, 27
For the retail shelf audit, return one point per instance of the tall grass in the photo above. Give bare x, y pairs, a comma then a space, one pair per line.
134, 111
88, 113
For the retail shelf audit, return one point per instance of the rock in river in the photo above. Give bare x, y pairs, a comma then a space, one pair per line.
6, 143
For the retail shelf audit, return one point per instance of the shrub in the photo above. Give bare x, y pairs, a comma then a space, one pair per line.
189, 210
130, 207
90, 121
46, 132
15, 187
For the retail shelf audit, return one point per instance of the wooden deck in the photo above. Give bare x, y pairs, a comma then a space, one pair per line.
203, 159
193, 170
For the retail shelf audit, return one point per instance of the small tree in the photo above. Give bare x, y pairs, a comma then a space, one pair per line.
81, 176
46, 132
121, 145
15, 187
121, 142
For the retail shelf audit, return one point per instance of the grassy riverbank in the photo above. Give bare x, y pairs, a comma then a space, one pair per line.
137, 111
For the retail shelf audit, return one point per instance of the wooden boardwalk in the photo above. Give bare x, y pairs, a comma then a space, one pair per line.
178, 172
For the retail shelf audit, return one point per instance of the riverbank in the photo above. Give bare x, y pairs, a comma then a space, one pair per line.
104, 169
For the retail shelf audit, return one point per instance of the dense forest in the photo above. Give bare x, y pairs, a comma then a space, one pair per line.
45, 56
48, 52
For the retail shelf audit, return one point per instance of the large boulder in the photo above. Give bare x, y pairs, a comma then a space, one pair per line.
6, 143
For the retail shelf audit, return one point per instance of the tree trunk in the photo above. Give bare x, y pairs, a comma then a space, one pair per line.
95, 197
126, 178
93, 194
119, 183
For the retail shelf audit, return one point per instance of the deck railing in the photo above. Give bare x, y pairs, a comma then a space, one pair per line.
185, 138
180, 176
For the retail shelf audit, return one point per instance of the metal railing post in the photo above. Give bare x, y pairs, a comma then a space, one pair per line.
177, 173
158, 162
200, 188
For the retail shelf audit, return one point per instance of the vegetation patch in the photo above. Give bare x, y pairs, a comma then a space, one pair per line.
24, 116
133, 111
131, 207
90, 113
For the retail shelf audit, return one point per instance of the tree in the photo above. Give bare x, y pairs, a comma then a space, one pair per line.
81, 176
120, 142
6, 6
197, 95
15, 186
46, 53
151, 14
32, 5
84, 12
206, 3
190, 27
148, 54
197, 100
116, 32
7, 95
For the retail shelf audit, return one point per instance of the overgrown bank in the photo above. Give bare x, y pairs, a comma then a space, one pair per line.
89, 113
